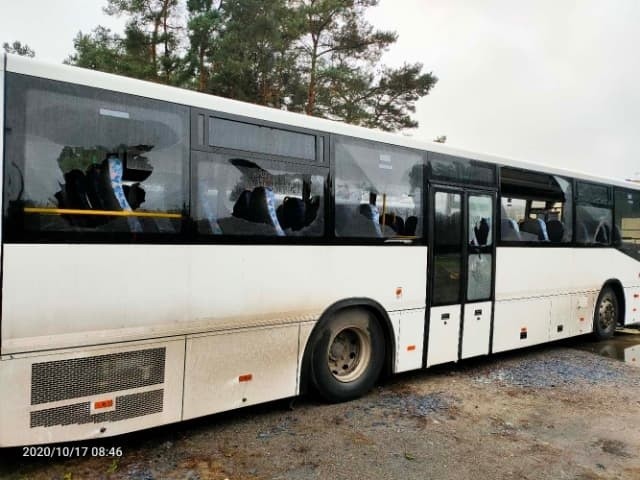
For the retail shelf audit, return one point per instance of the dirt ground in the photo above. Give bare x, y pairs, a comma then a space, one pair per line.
555, 412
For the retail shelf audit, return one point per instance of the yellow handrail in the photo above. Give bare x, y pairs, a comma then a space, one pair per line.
108, 213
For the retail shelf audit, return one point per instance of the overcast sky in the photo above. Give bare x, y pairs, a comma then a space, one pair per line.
547, 81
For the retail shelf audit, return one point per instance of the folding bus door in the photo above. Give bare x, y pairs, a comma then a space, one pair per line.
461, 274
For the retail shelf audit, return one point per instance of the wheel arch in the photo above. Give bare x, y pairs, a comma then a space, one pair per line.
379, 313
617, 288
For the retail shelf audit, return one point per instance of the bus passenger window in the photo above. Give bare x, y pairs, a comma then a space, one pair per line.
243, 196
626, 231
594, 216
535, 207
378, 190
88, 161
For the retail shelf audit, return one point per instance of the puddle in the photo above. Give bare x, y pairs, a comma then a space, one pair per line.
624, 346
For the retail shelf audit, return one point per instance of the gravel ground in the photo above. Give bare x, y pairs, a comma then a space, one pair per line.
564, 368
553, 412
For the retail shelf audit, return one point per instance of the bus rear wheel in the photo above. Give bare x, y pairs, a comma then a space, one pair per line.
606, 314
347, 355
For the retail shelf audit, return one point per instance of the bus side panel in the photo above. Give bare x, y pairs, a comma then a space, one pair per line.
63, 296
408, 326
2, 61
632, 301
232, 370
95, 393
547, 293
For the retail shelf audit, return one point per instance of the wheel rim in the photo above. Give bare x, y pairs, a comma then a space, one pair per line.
606, 313
349, 354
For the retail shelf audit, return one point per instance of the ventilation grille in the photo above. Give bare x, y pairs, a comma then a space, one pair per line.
127, 406
83, 377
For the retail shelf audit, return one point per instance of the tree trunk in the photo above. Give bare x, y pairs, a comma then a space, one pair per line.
311, 92
154, 44
165, 14
202, 77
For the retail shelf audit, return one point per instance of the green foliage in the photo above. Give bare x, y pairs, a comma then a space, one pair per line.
148, 49
320, 57
79, 158
18, 48
336, 36
254, 59
203, 26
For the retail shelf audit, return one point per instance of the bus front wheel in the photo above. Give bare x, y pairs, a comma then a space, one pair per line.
606, 314
347, 355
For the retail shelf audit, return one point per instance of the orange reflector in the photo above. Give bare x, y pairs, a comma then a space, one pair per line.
582, 319
245, 378
398, 292
102, 404
523, 329
636, 295
411, 348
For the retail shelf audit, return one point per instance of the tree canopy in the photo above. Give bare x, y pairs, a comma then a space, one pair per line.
320, 57
18, 48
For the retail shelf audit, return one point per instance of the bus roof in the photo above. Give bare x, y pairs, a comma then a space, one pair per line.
107, 81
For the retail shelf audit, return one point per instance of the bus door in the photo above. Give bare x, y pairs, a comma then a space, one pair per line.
461, 273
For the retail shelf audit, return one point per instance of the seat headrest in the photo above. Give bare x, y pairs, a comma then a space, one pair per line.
291, 213
555, 230
242, 207
262, 208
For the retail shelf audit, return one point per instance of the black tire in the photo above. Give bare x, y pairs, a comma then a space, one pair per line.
347, 355
606, 314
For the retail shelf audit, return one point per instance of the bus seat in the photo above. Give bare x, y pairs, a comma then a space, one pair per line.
481, 231
262, 208
536, 227
555, 230
115, 175
411, 225
291, 214
370, 212
602, 233
510, 230
543, 229
95, 187
242, 209
75, 190
394, 222
357, 221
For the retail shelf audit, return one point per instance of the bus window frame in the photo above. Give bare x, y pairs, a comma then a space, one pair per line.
419, 240
530, 244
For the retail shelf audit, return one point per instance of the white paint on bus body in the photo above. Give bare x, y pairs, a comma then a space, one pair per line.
59, 296
536, 272
542, 289
16, 408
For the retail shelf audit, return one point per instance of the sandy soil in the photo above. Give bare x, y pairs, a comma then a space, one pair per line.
554, 412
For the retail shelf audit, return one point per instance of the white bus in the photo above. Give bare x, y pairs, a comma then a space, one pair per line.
168, 254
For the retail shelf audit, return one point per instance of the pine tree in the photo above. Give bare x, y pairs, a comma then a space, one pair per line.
151, 33
18, 48
320, 57
203, 25
255, 61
